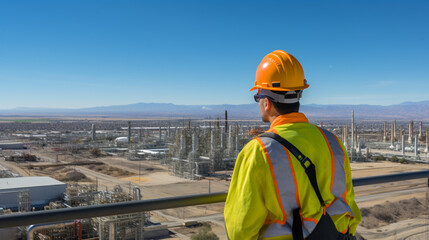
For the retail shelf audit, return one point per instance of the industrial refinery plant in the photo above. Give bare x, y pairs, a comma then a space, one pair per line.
65, 163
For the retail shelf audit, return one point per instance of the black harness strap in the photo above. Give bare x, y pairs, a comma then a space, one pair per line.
297, 225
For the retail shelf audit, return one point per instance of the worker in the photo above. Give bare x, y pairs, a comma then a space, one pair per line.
301, 189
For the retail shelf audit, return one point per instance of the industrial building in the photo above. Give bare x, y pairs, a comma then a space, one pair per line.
26, 193
11, 145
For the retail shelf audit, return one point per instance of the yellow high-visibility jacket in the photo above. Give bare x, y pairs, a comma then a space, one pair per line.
268, 183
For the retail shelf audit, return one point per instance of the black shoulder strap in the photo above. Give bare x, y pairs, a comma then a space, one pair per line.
306, 163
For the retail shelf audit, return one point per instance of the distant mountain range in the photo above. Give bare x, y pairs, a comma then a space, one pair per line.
404, 111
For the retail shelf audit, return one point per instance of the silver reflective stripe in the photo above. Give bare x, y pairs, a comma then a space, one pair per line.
275, 230
339, 186
308, 227
339, 207
286, 187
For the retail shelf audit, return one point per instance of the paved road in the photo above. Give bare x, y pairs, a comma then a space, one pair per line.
100, 176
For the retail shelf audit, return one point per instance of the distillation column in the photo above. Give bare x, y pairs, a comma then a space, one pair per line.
93, 132
410, 133
169, 130
140, 135
427, 145
421, 131
384, 133
346, 137
212, 142
401, 133
230, 140
194, 143
193, 157
394, 131
226, 120
129, 132
222, 140
355, 138
416, 146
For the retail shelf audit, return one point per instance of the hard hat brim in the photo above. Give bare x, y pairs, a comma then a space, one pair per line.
280, 89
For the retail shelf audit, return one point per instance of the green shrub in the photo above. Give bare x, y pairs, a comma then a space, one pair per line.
403, 161
378, 158
205, 233
96, 152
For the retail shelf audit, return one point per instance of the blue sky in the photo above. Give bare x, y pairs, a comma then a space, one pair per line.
73, 54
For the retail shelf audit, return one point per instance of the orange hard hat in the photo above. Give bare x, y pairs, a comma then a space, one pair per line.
280, 71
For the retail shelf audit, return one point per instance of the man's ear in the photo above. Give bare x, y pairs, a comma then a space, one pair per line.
267, 104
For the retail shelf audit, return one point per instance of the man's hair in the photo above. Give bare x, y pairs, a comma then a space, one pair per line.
284, 108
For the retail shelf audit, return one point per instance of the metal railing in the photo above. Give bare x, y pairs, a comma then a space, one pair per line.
390, 178
58, 215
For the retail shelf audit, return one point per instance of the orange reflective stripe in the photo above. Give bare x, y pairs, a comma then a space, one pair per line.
274, 221
274, 179
310, 220
332, 158
344, 164
345, 196
335, 199
293, 173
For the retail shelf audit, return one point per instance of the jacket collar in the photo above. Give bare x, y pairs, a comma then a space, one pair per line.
288, 118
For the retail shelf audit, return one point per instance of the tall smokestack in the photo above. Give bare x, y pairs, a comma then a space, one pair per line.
230, 139
226, 120
403, 145
222, 140
93, 132
355, 141
392, 135
169, 129
343, 135
182, 139
129, 131
410, 133
384, 133
394, 131
416, 146
194, 143
421, 131
212, 141
346, 139
427, 142
401, 133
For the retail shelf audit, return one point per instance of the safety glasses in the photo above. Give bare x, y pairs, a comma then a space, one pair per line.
258, 97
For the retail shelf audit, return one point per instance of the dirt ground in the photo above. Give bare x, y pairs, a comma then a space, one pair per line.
390, 212
379, 222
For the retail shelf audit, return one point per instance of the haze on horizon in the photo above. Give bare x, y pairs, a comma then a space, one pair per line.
85, 54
